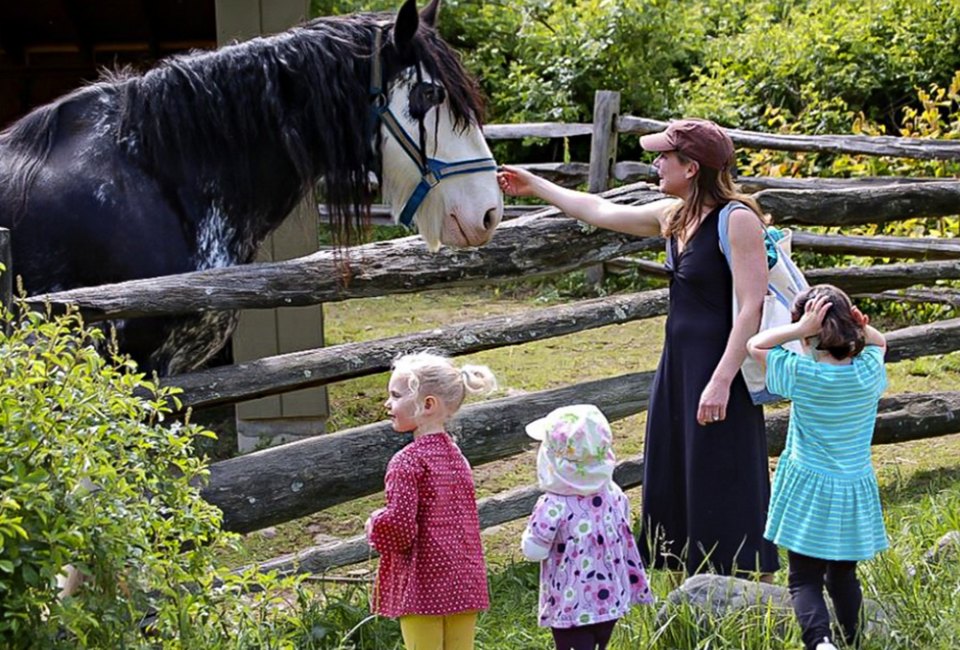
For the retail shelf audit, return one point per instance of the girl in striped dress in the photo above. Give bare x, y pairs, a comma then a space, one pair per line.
825, 505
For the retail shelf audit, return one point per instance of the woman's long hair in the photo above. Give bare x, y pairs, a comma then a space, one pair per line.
711, 187
841, 335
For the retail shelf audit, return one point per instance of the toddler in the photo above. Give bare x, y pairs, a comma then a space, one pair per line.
579, 531
432, 574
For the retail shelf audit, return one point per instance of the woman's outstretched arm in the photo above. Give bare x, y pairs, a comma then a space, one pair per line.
641, 220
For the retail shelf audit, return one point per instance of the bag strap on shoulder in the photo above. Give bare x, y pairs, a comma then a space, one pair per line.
723, 228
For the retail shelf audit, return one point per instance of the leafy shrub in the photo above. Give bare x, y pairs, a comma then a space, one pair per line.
822, 62
95, 472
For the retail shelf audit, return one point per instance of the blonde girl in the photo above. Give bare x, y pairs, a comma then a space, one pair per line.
432, 573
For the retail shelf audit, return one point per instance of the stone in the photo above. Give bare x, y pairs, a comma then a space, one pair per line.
715, 596
946, 548
321, 539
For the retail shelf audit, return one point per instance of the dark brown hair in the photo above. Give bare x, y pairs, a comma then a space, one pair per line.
842, 336
710, 186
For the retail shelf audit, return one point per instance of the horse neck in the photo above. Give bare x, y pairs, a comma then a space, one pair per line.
251, 127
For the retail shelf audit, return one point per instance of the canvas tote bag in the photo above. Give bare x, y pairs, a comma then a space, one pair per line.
784, 283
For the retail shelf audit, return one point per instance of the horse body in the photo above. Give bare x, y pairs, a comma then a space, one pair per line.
192, 164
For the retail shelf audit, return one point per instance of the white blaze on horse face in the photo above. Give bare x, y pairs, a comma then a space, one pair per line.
462, 210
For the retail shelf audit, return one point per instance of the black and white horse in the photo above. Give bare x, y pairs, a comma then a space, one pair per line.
192, 164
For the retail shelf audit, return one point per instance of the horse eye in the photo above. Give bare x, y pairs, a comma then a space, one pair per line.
425, 96
436, 94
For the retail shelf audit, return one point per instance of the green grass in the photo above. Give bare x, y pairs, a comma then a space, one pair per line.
920, 485
921, 492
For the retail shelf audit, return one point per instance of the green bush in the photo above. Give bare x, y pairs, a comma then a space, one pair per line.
95, 472
824, 61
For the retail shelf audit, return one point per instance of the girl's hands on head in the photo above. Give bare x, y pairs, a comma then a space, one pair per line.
814, 311
516, 181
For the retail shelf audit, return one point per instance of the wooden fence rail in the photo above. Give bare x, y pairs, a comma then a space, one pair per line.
572, 174
922, 248
319, 366
871, 145
282, 483
901, 418
917, 148
848, 206
282, 373
943, 295
526, 247
293, 480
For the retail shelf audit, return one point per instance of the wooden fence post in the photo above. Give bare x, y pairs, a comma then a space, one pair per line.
603, 154
6, 274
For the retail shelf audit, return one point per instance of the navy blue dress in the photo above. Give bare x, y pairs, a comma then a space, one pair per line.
705, 488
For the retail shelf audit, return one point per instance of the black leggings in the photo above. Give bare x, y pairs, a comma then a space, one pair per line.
807, 578
584, 637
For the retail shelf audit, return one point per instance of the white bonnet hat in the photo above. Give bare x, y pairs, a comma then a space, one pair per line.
576, 450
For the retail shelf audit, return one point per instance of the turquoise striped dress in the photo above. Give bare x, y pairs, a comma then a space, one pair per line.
825, 502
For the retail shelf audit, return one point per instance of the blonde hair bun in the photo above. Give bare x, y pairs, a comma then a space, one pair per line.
478, 379
434, 374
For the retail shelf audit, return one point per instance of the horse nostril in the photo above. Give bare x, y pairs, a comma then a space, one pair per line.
489, 218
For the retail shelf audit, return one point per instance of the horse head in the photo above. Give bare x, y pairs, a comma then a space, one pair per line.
191, 164
435, 161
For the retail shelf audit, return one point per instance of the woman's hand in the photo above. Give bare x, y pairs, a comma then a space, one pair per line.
814, 311
516, 181
713, 402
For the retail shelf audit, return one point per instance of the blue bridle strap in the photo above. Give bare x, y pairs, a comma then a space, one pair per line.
432, 170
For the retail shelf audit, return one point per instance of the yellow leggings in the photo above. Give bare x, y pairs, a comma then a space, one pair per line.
453, 632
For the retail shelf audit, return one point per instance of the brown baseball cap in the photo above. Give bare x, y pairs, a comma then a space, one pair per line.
699, 140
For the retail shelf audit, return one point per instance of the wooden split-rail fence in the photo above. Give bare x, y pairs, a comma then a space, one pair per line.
279, 484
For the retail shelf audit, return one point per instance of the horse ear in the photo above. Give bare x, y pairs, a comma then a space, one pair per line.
405, 28
429, 14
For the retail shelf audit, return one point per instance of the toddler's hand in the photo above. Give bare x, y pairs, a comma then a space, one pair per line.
368, 526
813, 314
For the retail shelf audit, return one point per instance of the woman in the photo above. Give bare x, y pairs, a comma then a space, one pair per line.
706, 480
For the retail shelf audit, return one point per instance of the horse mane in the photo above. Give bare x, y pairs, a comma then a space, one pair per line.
301, 94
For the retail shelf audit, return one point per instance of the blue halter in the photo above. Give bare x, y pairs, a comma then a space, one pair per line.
432, 170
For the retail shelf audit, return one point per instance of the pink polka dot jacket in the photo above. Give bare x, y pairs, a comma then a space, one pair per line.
592, 572
428, 536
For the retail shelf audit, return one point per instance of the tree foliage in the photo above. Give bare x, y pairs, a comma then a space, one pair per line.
823, 62
816, 63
